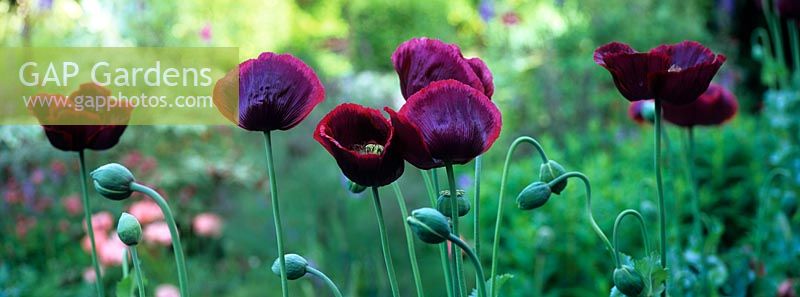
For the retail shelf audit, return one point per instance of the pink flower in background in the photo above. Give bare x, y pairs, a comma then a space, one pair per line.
89, 276
146, 211
99, 239
158, 233
13, 194
101, 222
58, 167
167, 290
72, 204
37, 177
205, 32
132, 159
510, 18
207, 224
109, 252
24, 225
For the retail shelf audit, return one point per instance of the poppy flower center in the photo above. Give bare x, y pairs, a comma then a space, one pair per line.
674, 68
368, 149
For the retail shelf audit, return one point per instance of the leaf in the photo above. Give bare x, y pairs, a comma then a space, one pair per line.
616, 293
654, 275
500, 280
125, 287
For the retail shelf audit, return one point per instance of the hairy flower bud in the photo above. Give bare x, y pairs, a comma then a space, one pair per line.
533, 196
443, 203
628, 281
113, 181
429, 225
354, 187
295, 266
129, 230
550, 171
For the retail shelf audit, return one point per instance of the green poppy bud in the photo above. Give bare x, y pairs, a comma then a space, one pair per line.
355, 188
113, 181
129, 230
533, 196
550, 171
443, 203
648, 111
628, 281
429, 225
295, 266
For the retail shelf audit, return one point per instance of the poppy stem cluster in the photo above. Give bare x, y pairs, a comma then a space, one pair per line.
412, 253
387, 254
297, 267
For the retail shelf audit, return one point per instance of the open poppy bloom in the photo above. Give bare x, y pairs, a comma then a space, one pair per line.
421, 61
361, 141
714, 107
447, 122
676, 73
75, 129
276, 92
642, 111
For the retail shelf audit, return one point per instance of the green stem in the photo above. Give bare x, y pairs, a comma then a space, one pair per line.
794, 42
180, 262
764, 207
660, 191
138, 267
87, 216
696, 213
276, 213
761, 36
454, 284
773, 23
442, 248
327, 280
412, 254
459, 273
615, 234
125, 262
387, 254
503, 178
475, 261
476, 206
588, 188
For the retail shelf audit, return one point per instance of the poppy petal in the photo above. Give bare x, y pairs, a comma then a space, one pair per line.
421, 61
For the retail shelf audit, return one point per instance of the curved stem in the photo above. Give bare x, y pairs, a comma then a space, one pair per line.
451, 180
387, 254
180, 262
412, 254
87, 216
660, 190
763, 207
138, 267
276, 213
503, 178
442, 248
615, 234
475, 261
325, 278
588, 189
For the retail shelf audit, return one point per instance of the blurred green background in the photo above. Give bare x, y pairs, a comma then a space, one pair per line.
547, 86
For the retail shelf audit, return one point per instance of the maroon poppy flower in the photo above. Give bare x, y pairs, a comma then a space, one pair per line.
447, 122
642, 111
421, 61
714, 107
77, 128
360, 139
276, 92
788, 8
675, 74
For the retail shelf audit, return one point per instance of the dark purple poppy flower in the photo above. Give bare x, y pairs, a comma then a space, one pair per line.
714, 107
788, 8
642, 111
675, 74
447, 122
421, 61
360, 139
76, 129
276, 92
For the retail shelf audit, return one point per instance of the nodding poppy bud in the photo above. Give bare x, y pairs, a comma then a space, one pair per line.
429, 225
295, 266
354, 187
113, 181
648, 111
129, 230
628, 281
533, 196
443, 203
550, 171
